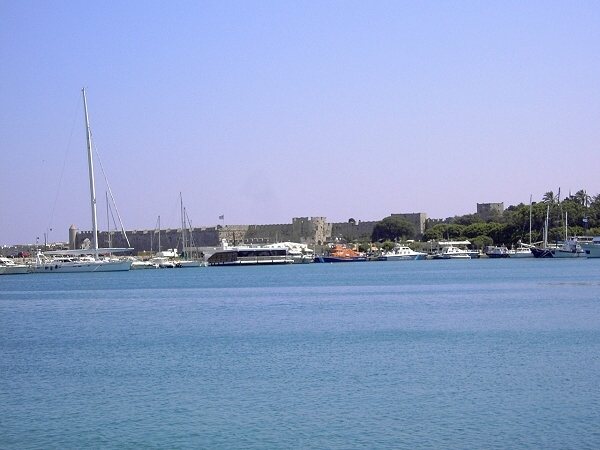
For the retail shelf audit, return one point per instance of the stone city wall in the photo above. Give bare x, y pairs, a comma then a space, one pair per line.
310, 231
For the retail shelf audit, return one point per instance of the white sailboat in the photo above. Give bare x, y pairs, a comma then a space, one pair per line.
92, 259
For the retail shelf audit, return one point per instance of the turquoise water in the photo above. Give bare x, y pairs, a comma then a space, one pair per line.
424, 354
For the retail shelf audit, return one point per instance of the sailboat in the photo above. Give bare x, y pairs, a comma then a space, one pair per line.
186, 241
569, 248
88, 259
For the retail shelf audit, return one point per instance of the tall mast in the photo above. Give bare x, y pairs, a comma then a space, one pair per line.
182, 225
108, 220
546, 226
92, 182
530, 203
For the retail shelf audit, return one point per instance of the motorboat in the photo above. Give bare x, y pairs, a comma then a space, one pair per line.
169, 259
402, 253
138, 264
300, 253
522, 251
9, 267
497, 252
451, 252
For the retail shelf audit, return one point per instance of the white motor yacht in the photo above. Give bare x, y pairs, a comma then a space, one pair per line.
402, 253
451, 252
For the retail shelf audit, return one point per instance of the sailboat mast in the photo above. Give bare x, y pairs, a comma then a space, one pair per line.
91, 173
546, 226
182, 225
108, 220
530, 203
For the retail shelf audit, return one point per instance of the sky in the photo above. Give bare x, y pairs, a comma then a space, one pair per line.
266, 110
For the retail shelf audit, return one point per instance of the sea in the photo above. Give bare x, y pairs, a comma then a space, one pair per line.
476, 354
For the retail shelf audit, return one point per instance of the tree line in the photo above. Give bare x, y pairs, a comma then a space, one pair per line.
580, 211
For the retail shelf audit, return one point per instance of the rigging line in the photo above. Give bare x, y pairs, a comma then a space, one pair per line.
112, 216
110, 193
62, 171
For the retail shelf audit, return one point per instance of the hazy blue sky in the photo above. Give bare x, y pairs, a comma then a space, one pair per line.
264, 111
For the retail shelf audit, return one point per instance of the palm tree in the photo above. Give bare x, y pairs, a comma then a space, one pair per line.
549, 197
582, 198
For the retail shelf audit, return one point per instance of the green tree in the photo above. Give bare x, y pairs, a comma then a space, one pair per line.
392, 228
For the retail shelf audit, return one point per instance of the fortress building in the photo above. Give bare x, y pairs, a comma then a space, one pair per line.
306, 230
488, 210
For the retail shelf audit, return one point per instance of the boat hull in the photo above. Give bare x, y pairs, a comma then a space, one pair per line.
452, 257
403, 257
520, 254
337, 259
191, 263
87, 266
250, 257
17, 269
556, 253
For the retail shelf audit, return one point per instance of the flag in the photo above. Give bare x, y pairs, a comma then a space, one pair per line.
222, 217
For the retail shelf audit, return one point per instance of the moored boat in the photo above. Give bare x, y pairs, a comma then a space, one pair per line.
69, 262
340, 253
522, 251
451, 252
497, 252
569, 248
300, 253
9, 267
402, 253
249, 256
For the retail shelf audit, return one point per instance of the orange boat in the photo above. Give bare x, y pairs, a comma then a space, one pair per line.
339, 253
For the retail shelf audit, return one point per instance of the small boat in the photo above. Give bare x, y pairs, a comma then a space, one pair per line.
340, 253
451, 252
138, 264
402, 253
300, 253
497, 252
9, 267
522, 251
